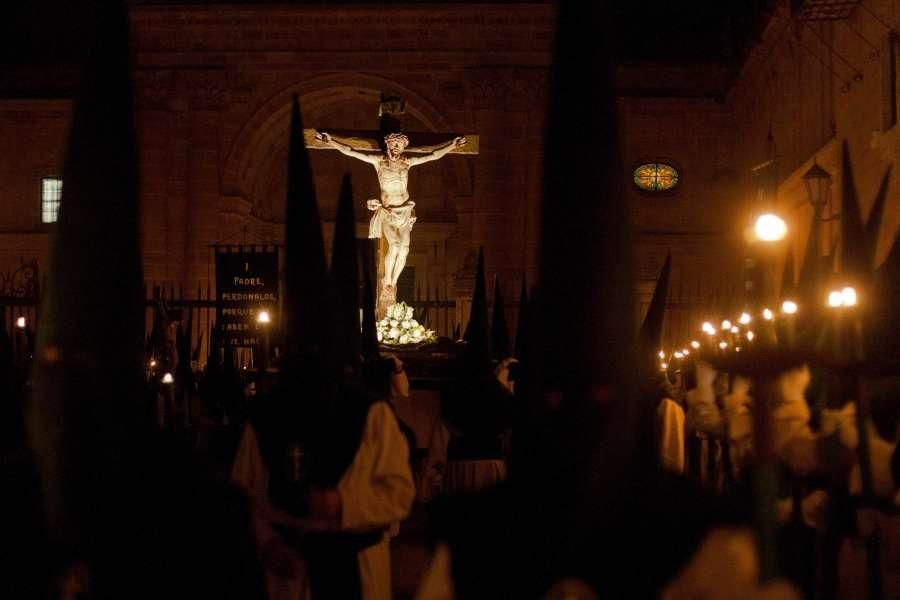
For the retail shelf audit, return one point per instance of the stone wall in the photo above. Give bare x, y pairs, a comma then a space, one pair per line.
818, 84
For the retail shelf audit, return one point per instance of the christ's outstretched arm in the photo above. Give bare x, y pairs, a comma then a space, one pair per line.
438, 153
347, 149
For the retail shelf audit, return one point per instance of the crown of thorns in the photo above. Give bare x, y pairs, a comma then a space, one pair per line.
396, 137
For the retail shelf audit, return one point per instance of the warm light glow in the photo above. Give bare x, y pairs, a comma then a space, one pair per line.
789, 307
263, 317
745, 318
664, 366
767, 314
735, 329
835, 299
737, 348
750, 336
695, 345
770, 228
723, 345
167, 378
848, 295
662, 354
679, 355
685, 351
726, 324
20, 322
708, 328
152, 362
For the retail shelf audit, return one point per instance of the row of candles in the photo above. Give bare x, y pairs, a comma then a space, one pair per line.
733, 335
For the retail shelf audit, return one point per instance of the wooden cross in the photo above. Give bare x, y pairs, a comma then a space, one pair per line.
390, 111
371, 141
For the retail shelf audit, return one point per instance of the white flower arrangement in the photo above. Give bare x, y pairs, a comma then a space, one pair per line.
399, 328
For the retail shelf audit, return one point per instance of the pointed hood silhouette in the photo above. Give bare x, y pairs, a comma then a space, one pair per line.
650, 336
345, 278
522, 322
307, 311
500, 346
476, 335
856, 263
89, 371
876, 215
581, 375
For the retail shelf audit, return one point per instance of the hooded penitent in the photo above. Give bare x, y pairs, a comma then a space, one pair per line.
580, 379
89, 369
318, 410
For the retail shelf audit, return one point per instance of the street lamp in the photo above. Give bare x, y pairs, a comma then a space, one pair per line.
818, 183
770, 227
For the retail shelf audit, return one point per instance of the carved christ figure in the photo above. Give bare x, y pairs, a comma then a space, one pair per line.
394, 211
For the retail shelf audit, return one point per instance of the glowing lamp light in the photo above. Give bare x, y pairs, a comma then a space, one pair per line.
848, 295
723, 345
726, 324
679, 355
664, 366
735, 329
708, 328
167, 378
835, 299
745, 318
750, 336
685, 351
263, 317
20, 322
767, 314
152, 362
695, 345
770, 228
662, 354
789, 307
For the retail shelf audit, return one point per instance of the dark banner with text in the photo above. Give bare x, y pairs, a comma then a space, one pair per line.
246, 284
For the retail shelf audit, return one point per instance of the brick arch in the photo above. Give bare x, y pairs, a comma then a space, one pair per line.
267, 123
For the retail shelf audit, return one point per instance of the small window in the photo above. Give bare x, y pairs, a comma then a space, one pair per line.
51, 194
655, 177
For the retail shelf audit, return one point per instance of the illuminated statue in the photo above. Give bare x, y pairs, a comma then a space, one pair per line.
394, 212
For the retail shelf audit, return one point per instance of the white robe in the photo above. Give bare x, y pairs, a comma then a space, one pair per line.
377, 490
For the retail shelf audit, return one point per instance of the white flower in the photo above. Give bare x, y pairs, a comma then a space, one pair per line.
417, 334
394, 333
404, 339
405, 324
380, 336
394, 322
409, 312
413, 323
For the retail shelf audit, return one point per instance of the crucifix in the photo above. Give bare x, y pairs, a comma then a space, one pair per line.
391, 154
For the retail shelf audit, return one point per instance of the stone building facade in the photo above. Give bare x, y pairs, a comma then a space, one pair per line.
214, 85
